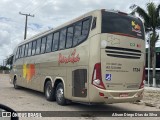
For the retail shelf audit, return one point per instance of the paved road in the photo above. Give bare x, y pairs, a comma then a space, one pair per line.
28, 100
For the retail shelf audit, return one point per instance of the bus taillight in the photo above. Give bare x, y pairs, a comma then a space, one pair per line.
97, 76
143, 78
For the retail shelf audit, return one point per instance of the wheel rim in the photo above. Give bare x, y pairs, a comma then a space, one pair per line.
48, 91
60, 94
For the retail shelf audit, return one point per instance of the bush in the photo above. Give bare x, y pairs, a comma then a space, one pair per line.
4, 68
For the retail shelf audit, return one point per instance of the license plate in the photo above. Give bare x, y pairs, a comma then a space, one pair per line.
123, 95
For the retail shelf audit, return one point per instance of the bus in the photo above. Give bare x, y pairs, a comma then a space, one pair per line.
98, 57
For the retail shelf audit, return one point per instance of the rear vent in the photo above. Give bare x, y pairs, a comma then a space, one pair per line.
123, 52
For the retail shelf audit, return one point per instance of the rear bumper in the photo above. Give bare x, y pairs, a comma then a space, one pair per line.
113, 96
123, 100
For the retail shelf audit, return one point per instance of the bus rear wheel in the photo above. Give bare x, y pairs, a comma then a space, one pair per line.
60, 94
49, 91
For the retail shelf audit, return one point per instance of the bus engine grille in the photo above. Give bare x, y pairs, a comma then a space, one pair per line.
123, 52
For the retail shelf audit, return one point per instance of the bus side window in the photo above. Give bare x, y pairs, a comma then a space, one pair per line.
29, 49
26, 50
62, 39
20, 49
38, 47
49, 43
33, 47
85, 30
55, 41
77, 33
43, 44
22, 54
17, 53
69, 37
94, 23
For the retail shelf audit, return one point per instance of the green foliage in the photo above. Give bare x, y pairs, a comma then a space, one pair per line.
4, 68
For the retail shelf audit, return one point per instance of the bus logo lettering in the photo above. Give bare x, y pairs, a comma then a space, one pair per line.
135, 26
136, 70
71, 58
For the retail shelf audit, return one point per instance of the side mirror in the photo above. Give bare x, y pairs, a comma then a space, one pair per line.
6, 113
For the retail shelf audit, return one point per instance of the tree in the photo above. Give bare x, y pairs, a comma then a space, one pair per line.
4, 68
151, 19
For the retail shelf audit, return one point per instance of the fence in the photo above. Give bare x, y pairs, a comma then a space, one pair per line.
151, 76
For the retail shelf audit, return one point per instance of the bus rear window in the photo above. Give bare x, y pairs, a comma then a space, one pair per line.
121, 24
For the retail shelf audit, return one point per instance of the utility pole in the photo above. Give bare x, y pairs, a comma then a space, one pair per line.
25, 32
149, 60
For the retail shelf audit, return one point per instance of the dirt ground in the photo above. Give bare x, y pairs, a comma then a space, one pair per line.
152, 97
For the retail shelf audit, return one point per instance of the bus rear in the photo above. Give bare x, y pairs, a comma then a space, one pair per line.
118, 74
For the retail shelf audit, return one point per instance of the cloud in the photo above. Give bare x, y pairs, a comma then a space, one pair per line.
3, 19
34, 26
4, 34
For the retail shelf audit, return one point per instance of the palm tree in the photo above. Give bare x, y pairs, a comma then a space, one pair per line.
151, 19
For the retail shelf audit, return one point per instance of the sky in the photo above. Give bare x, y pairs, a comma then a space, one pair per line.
47, 14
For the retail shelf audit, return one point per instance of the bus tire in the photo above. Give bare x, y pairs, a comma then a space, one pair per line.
15, 83
60, 94
49, 91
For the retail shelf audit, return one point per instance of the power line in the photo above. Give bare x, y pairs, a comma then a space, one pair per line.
27, 6
39, 6
27, 15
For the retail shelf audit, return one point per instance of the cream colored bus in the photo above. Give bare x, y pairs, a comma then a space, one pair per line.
95, 58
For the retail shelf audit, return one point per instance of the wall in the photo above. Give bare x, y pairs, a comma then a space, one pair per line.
4, 71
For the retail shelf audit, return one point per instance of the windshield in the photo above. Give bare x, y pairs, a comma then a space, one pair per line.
121, 24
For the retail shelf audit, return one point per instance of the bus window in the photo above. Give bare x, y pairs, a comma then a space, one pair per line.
55, 41
29, 49
20, 49
17, 53
26, 50
94, 23
77, 33
114, 23
38, 47
33, 47
69, 37
49, 43
23, 48
62, 39
43, 44
85, 30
